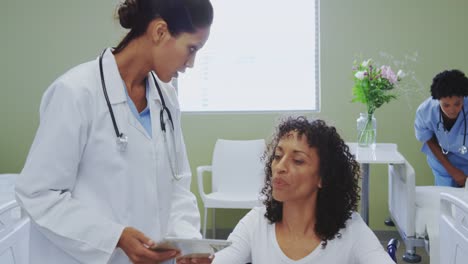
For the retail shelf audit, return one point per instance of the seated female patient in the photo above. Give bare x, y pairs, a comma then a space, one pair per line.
310, 197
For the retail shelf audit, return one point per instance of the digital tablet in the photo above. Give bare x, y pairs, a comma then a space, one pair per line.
191, 247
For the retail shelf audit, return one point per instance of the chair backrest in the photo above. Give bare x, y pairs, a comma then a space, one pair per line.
453, 229
237, 166
401, 200
14, 234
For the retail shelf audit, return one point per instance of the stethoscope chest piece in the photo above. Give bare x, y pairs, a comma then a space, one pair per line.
122, 142
463, 150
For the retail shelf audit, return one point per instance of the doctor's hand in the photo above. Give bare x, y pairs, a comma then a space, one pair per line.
136, 246
459, 177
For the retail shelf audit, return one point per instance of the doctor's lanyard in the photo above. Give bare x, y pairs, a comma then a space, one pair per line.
462, 149
122, 139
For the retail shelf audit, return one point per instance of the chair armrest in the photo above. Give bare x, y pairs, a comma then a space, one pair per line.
454, 206
200, 171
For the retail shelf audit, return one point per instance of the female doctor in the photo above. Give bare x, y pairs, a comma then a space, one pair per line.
441, 126
107, 174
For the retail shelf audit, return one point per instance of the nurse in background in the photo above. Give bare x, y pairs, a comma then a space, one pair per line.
309, 215
441, 126
93, 195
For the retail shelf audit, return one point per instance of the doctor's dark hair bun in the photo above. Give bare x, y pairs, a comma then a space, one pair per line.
449, 83
128, 13
181, 16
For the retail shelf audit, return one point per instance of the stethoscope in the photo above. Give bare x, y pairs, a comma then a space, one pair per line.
122, 139
462, 149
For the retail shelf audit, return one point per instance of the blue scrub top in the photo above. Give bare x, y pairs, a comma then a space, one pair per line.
144, 117
428, 123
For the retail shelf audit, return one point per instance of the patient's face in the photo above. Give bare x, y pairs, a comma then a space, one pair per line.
295, 170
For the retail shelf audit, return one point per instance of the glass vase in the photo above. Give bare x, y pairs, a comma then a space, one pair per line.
367, 130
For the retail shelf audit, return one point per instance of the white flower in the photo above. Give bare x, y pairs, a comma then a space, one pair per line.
400, 74
365, 63
360, 75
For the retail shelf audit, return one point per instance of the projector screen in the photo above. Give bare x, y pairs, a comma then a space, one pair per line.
262, 55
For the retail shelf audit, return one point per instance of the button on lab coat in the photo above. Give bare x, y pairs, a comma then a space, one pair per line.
81, 191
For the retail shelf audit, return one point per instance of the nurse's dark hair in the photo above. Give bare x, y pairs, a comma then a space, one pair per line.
181, 16
449, 83
338, 169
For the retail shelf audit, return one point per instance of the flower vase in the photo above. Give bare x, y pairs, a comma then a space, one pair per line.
367, 130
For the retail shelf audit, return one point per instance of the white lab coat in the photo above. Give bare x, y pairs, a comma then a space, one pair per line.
81, 191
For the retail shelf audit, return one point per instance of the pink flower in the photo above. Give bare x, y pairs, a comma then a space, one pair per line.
388, 74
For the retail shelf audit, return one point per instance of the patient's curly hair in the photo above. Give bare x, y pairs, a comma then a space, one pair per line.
449, 83
339, 172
